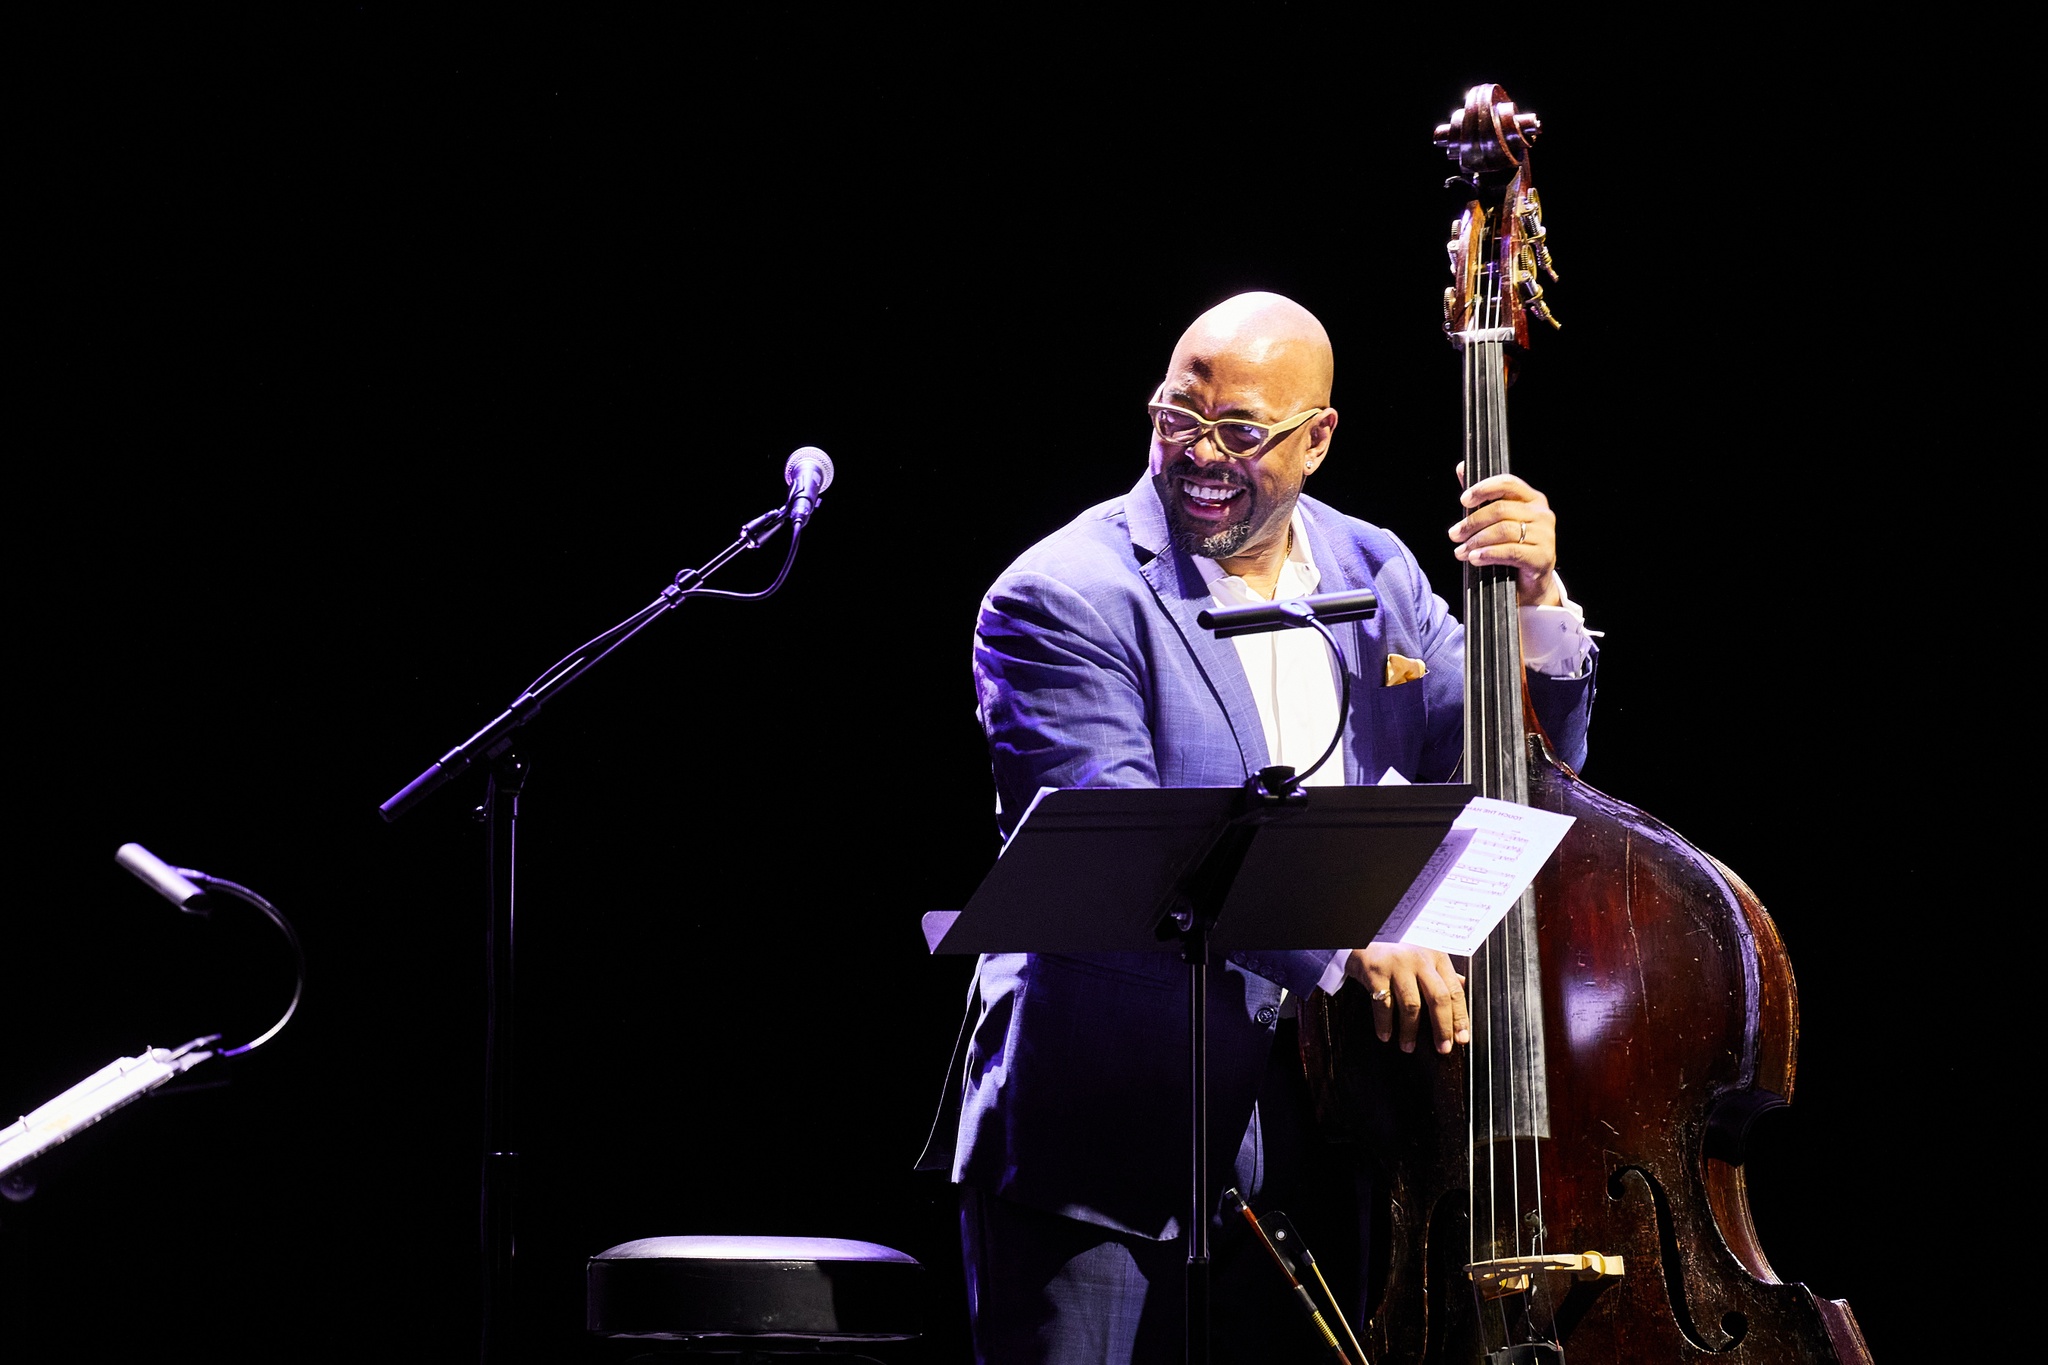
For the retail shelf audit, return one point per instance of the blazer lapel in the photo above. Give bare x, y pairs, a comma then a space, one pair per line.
1183, 594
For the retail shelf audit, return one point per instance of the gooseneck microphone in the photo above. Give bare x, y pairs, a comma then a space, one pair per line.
808, 472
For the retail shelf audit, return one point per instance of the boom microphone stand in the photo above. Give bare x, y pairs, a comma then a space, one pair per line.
808, 473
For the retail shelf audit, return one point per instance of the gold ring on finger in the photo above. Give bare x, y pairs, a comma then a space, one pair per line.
1383, 996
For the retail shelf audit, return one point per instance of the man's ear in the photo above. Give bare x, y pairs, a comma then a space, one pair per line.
1320, 433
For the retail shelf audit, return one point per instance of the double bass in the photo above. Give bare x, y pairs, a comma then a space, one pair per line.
1570, 1185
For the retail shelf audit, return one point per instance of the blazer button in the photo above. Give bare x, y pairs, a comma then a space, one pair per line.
1267, 1014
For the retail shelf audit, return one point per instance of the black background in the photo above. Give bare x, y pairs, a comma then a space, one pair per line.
367, 363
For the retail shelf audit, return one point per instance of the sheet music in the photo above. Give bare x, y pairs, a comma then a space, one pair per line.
1493, 851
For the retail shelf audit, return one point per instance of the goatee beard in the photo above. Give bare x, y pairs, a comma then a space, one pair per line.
1190, 540
1198, 538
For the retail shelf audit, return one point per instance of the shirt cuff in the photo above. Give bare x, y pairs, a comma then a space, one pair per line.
1555, 641
1333, 975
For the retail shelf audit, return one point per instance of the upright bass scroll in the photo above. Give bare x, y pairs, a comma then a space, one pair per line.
1570, 1184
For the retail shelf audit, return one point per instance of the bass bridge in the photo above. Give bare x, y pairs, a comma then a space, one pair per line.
1511, 1274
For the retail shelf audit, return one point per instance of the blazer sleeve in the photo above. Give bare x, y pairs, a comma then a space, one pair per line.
1060, 696
1565, 706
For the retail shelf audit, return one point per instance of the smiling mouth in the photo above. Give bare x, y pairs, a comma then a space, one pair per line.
1208, 500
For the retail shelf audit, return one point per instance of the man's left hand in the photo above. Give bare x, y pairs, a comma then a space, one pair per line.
1511, 523
1404, 982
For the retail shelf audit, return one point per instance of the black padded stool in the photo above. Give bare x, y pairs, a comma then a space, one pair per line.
756, 1297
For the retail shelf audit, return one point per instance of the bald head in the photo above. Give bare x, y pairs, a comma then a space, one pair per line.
1267, 334
1261, 361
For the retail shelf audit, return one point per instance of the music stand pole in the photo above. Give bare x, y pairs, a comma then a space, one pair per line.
1267, 796
500, 1187
1196, 948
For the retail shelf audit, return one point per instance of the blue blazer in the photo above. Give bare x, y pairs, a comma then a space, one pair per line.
1090, 671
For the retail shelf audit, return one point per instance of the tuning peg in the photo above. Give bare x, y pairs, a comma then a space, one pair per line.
1532, 298
1529, 209
1526, 126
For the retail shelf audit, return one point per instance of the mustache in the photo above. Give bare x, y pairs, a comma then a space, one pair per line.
1224, 474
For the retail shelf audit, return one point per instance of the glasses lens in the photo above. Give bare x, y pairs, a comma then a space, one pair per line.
1174, 426
1240, 438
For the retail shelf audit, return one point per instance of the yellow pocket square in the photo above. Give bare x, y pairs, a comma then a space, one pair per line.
1401, 668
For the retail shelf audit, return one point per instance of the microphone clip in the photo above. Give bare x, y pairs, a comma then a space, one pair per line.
758, 531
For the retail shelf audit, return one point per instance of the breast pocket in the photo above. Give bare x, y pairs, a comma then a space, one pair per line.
1397, 718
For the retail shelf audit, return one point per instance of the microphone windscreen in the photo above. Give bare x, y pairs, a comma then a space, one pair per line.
812, 456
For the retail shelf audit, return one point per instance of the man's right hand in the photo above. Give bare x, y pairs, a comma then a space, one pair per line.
1402, 980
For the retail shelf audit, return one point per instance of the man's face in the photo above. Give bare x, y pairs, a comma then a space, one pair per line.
1224, 507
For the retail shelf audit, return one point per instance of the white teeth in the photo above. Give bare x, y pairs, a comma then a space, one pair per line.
1204, 493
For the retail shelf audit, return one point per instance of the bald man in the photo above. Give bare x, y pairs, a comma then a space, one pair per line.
1065, 1124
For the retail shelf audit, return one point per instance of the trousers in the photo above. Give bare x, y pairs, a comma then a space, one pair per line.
1045, 1288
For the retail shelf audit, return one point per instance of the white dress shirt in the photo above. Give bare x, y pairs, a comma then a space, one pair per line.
1294, 679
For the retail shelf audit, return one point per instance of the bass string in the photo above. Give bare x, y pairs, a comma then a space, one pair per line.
1498, 751
1497, 781
1507, 626
1527, 994
1483, 749
1496, 676
1496, 762
1477, 746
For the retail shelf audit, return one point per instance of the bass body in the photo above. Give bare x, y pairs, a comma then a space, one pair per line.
1670, 1022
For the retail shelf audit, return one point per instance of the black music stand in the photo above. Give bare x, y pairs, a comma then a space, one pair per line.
1123, 870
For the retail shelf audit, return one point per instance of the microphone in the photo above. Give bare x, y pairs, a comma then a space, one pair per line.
808, 472
160, 877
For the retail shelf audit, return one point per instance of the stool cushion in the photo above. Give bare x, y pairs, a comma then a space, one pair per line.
806, 1288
